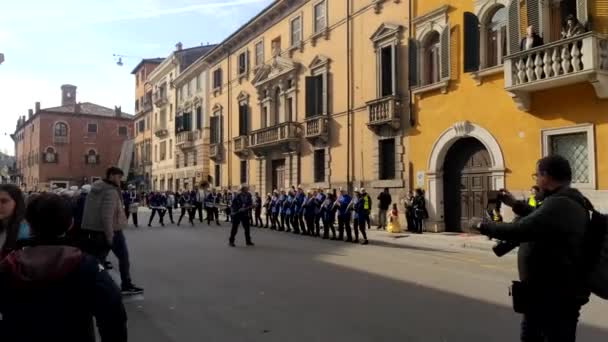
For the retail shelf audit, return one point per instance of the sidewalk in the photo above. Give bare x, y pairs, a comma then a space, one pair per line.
442, 240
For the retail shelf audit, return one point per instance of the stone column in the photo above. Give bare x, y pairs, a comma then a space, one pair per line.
261, 174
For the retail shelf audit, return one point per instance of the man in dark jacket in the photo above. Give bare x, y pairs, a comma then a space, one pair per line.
50, 291
240, 207
551, 253
384, 202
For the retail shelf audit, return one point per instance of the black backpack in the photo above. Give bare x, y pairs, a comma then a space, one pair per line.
597, 251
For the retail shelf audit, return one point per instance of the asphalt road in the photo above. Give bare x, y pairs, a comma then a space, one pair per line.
295, 288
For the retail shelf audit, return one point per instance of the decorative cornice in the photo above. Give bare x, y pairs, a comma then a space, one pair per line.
443, 10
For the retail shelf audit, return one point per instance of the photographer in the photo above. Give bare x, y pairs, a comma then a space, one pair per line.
551, 254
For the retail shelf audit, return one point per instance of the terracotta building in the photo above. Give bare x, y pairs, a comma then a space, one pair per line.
142, 162
72, 144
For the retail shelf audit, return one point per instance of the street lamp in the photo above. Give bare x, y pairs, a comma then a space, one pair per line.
119, 58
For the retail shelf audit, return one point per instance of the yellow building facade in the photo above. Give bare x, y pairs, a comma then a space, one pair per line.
488, 102
312, 93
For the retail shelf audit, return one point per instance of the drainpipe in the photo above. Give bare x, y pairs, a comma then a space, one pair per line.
229, 117
350, 162
409, 88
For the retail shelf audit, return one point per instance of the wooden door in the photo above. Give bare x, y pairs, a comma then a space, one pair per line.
278, 174
466, 182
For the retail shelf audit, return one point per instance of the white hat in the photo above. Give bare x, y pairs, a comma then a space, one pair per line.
362, 189
86, 188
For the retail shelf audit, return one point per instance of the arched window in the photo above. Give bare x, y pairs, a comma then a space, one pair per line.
496, 37
61, 129
432, 58
49, 155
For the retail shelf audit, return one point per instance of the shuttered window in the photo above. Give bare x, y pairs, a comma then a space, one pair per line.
471, 42
314, 95
319, 162
387, 159
243, 120
217, 79
243, 171
243, 63
534, 19
217, 172
214, 130
187, 122
513, 22
387, 70
413, 62
199, 118
445, 53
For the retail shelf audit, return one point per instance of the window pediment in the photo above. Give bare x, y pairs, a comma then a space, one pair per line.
436, 20
386, 31
319, 61
278, 67
243, 97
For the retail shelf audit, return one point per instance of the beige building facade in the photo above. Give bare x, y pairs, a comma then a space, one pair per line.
311, 93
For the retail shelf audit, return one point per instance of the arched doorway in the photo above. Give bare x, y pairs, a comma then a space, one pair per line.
467, 178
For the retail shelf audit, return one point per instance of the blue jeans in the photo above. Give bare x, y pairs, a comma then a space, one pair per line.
119, 248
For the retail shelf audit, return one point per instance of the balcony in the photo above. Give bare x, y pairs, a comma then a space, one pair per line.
186, 140
317, 129
215, 152
59, 140
241, 145
147, 107
284, 136
160, 98
384, 112
580, 59
161, 132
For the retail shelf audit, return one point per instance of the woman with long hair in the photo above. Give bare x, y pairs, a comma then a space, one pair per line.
12, 213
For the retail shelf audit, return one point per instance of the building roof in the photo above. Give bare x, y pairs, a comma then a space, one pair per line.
157, 60
87, 108
188, 56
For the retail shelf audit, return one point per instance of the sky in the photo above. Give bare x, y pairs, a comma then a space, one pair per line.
50, 43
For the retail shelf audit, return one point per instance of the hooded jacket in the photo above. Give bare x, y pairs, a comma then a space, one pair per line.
104, 210
52, 293
552, 242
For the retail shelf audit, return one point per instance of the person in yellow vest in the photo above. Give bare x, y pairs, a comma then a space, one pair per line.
367, 207
534, 199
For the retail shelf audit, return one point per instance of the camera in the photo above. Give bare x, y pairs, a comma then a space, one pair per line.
494, 203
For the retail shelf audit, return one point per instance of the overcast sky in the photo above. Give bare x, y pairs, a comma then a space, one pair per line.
50, 43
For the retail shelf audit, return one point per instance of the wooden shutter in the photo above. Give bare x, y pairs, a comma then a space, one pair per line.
310, 96
471, 42
319, 164
221, 133
213, 126
199, 118
386, 65
243, 124
413, 62
582, 12
445, 53
534, 15
318, 95
513, 19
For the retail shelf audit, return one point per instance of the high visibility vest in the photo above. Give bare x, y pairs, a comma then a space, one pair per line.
532, 201
366, 202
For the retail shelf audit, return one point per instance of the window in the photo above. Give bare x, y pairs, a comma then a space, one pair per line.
199, 118
577, 145
163, 150
295, 29
194, 158
177, 161
61, 129
289, 115
242, 63
485, 41
163, 119
243, 119
314, 96
170, 148
259, 53
141, 125
217, 79
156, 153
275, 46
387, 159
198, 82
319, 162
137, 105
496, 38
92, 128
185, 159
122, 131
387, 71
243, 171
320, 16
91, 157
215, 129
432, 59
217, 175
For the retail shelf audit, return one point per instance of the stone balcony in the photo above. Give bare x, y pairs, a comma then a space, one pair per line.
161, 132
241, 145
215, 152
317, 129
160, 98
187, 140
579, 59
384, 112
284, 137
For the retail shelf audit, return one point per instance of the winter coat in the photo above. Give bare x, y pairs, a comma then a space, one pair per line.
104, 210
53, 292
552, 238
78, 210
384, 200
